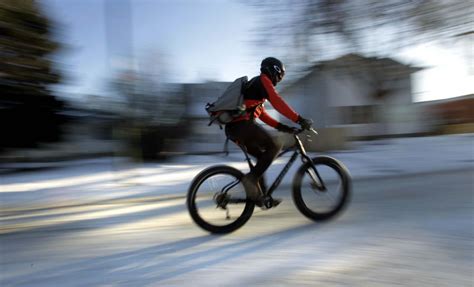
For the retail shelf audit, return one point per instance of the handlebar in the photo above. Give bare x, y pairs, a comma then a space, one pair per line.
310, 129
297, 140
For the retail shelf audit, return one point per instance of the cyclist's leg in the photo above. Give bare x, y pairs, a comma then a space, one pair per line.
258, 141
261, 145
265, 149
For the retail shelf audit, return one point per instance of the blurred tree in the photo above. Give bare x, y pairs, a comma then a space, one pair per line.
154, 109
316, 28
28, 110
312, 30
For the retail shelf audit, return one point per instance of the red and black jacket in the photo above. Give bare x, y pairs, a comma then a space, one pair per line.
258, 90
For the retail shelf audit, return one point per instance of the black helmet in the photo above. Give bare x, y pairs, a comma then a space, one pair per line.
273, 68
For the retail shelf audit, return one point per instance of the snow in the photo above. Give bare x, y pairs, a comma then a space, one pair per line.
107, 178
109, 222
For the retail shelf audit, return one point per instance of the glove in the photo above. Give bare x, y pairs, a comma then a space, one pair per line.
305, 123
286, 129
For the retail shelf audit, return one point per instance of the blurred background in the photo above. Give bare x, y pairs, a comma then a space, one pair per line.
130, 78
103, 127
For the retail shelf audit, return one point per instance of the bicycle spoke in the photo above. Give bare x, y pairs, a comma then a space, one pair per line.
318, 201
217, 200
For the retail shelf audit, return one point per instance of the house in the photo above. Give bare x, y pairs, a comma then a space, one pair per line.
350, 97
452, 115
86, 133
357, 97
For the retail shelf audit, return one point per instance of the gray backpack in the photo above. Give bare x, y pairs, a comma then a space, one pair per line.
229, 105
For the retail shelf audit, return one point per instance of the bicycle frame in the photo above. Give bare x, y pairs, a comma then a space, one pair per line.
298, 149
224, 195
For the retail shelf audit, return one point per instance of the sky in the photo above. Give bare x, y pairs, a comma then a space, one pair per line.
197, 40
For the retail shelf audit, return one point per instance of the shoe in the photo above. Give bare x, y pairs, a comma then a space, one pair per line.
267, 202
276, 202
252, 189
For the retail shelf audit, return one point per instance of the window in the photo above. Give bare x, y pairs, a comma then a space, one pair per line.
356, 115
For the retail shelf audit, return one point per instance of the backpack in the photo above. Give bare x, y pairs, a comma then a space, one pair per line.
229, 105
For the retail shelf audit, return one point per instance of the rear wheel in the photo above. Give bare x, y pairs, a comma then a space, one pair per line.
318, 204
217, 201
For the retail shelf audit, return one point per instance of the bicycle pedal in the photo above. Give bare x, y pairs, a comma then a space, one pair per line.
276, 202
268, 202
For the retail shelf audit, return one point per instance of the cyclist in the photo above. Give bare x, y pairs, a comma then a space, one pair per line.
245, 131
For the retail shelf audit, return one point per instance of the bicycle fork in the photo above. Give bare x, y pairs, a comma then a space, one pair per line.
317, 181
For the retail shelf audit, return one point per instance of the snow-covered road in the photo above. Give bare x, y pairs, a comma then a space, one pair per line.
398, 231
94, 180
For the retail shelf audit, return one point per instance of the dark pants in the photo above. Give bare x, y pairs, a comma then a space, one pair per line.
257, 141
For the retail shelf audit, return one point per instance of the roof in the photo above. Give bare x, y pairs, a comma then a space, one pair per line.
387, 66
448, 100
354, 58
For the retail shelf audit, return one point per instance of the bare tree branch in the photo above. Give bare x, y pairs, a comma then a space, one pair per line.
362, 25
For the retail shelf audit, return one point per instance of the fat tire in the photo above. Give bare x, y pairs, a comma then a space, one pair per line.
192, 208
346, 188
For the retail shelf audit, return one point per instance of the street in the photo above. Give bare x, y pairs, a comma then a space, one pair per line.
410, 230
130, 130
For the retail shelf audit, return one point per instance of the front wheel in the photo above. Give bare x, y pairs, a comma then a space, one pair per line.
217, 201
316, 203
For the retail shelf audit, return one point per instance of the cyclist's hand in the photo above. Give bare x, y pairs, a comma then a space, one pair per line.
305, 123
287, 129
